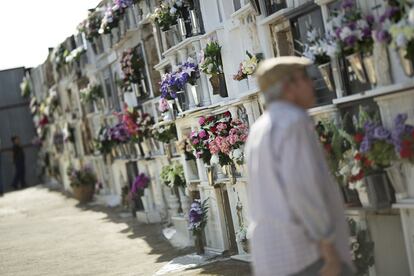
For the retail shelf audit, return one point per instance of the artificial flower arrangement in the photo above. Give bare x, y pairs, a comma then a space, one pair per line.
109, 21
220, 140
184, 147
320, 49
140, 183
91, 25
91, 93
136, 124
352, 29
248, 66
400, 19
59, 56
131, 65
104, 143
362, 249
173, 175
197, 216
165, 134
81, 177
210, 59
402, 136
25, 87
163, 105
189, 71
167, 13
120, 6
75, 54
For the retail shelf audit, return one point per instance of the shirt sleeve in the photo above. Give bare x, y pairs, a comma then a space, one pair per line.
304, 174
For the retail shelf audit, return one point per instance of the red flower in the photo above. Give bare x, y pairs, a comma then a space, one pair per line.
213, 129
406, 153
227, 114
358, 137
358, 156
367, 162
210, 119
328, 147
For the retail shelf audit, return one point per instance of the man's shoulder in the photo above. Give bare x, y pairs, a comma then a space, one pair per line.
284, 116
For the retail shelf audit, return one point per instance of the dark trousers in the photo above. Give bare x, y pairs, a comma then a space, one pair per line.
19, 177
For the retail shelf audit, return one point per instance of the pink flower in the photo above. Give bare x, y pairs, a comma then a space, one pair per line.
202, 120
221, 127
195, 141
233, 139
214, 148
225, 147
243, 138
202, 134
233, 131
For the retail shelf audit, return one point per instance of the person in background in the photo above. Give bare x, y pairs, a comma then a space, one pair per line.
297, 217
19, 164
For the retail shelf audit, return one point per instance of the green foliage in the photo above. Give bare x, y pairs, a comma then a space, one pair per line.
165, 134
382, 153
211, 63
81, 177
173, 175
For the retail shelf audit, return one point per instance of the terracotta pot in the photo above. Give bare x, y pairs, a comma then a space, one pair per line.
83, 193
215, 83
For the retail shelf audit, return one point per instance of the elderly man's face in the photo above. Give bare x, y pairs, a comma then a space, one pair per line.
299, 89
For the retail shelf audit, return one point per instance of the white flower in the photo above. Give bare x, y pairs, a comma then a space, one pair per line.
345, 32
236, 155
214, 159
362, 24
411, 16
173, 10
312, 35
401, 40
210, 68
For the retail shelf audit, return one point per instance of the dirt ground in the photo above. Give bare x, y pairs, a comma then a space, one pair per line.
43, 232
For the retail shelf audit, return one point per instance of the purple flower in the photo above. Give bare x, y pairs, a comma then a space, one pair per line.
348, 4
140, 183
400, 119
369, 128
383, 36
365, 145
366, 33
370, 19
351, 40
381, 133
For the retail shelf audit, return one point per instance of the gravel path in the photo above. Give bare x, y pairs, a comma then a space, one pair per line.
43, 232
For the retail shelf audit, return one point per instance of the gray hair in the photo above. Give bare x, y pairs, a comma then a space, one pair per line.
274, 93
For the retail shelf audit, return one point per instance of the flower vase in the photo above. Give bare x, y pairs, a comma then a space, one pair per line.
95, 107
357, 66
231, 172
178, 104
243, 85
221, 172
397, 178
192, 165
369, 65
135, 88
326, 72
181, 28
121, 27
210, 175
167, 150
198, 243
195, 26
252, 82
406, 64
173, 204
145, 148
375, 193
408, 170
194, 94
215, 84
170, 113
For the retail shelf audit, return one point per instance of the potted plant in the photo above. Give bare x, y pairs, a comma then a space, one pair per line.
109, 21
83, 182
164, 16
321, 50
140, 183
211, 64
197, 221
353, 32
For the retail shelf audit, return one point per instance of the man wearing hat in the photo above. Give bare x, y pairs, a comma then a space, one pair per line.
297, 224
